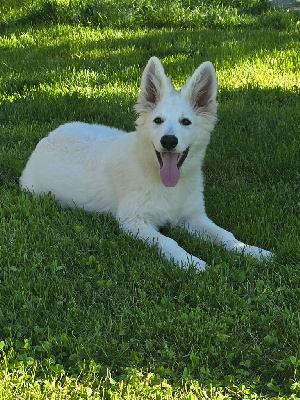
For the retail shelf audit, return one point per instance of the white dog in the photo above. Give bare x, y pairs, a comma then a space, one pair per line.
148, 178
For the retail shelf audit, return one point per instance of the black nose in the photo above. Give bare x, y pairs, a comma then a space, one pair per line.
169, 142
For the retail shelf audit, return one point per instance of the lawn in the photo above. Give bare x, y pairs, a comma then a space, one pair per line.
87, 312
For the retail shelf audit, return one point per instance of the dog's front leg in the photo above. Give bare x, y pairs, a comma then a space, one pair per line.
167, 246
208, 229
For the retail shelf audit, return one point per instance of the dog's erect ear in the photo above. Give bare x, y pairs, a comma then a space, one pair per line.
202, 88
154, 85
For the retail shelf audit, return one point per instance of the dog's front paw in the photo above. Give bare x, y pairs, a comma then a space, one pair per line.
258, 253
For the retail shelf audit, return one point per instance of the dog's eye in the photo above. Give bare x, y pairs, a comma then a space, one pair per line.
185, 121
158, 120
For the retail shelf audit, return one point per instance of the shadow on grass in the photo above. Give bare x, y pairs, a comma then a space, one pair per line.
42, 69
141, 14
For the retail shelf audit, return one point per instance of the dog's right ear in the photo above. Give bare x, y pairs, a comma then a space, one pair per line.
154, 85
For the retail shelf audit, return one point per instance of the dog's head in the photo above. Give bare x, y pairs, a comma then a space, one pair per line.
178, 124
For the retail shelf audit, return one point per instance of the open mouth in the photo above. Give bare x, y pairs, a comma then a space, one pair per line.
170, 164
180, 157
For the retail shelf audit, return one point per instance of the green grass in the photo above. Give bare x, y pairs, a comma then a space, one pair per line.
86, 312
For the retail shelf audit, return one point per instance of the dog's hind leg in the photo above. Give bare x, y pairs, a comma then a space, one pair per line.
208, 229
167, 246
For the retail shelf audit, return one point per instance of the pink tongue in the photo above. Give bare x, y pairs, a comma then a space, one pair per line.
169, 172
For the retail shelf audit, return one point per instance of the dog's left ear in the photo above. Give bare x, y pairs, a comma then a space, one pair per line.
202, 88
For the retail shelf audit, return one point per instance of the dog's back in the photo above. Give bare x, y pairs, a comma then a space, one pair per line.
70, 164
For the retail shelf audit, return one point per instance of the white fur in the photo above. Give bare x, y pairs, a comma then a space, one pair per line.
103, 169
